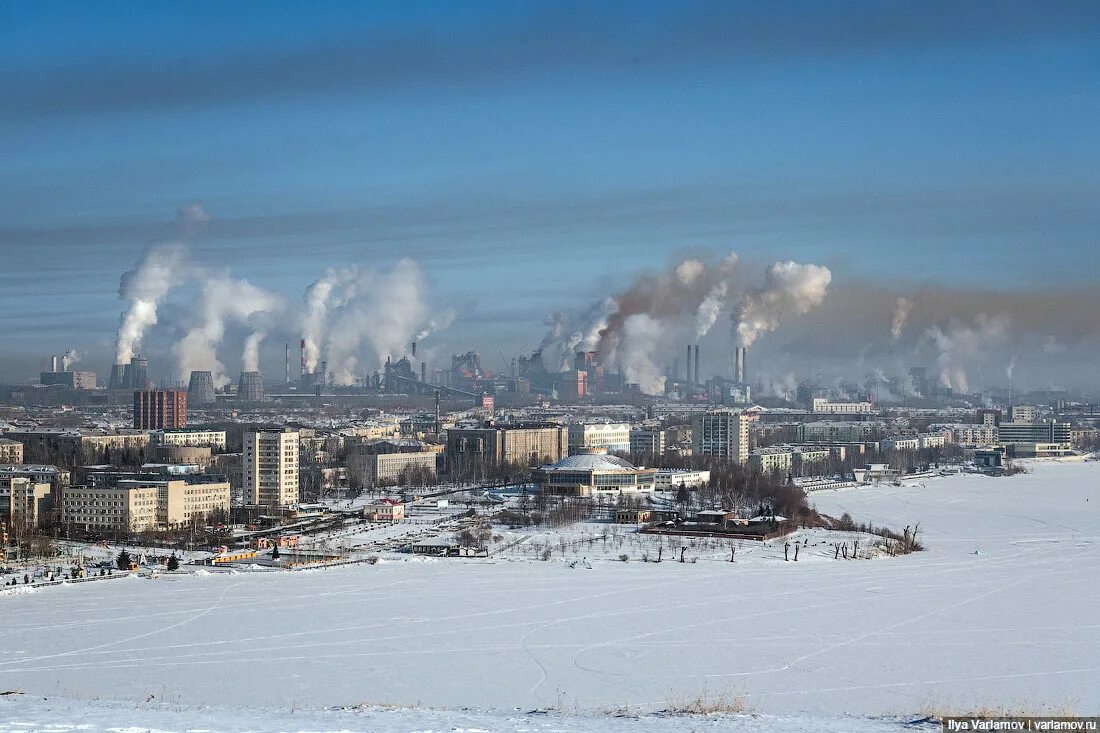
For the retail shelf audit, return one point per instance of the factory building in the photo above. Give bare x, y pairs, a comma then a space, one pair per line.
593, 474
270, 467
70, 380
158, 409
721, 433
497, 444
613, 437
200, 389
11, 451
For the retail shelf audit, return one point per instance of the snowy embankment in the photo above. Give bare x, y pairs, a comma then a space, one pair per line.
22, 714
999, 611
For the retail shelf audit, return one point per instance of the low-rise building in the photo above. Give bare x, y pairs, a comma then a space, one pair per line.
670, 479
612, 437
384, 510
11, 451
1046, 431
820, 404
52, 475
593, 474
191, 437
386, 469
121, 509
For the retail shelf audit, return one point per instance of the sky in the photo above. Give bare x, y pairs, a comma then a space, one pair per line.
534, 158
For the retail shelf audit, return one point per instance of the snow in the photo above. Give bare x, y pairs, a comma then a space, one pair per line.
1013, 625
25, 714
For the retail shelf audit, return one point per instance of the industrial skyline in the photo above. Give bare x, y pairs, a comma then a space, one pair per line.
938, 155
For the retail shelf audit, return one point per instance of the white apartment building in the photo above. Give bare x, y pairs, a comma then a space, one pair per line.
670, 479
123, 509
614, 437
24, 502
968, 433
721, 433
377, 469
270, 467
192, 438
823, 405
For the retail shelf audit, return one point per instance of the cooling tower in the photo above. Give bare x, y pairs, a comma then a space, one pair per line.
137, 374
118, 373
250, 388
200, 391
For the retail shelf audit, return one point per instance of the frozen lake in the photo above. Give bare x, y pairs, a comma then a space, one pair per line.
1000, 610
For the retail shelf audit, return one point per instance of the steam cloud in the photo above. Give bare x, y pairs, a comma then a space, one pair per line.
353, 312
789, 289
631, 329
901, 317
70, 357
961, 346
224, 300
160, 270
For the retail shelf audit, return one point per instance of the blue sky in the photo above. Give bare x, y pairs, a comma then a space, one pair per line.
534, 156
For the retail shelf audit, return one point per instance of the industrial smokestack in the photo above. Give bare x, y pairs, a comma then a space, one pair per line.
697, 364
413, 349
53, 363
423, 371
687, 374
303, 348
739, 365
288, 363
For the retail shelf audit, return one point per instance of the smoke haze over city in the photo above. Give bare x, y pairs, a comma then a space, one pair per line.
931, 179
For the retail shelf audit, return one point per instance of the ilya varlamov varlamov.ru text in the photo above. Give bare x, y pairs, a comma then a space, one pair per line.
1021, 724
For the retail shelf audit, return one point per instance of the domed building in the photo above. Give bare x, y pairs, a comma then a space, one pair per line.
593, 473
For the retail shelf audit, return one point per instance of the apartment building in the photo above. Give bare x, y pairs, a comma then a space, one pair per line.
722, 434
270, 467
122, 509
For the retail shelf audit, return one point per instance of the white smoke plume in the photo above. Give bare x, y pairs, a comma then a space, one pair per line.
692, 292
789, 289
642, 341
715, 299
354, 313
224, 301
70, 357
901, 317
161, 269
250, 358
327, 292
960, 347
440, 323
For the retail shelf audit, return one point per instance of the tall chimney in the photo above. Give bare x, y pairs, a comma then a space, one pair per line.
288, 363
53, 363
687, 374
437, 425
739, 365
303, 348
697, 364
414, 350
423, 371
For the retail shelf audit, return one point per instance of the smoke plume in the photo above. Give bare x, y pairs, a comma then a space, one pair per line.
960, 347
70, 357
250, 358
789, 289
631, 328
224, 300
901, 317
161, 269
352, 313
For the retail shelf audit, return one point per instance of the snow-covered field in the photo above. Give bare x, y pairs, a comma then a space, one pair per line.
1001, 610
